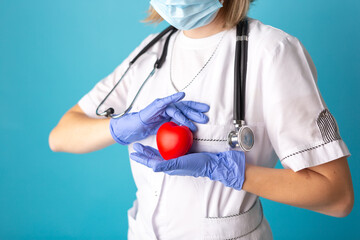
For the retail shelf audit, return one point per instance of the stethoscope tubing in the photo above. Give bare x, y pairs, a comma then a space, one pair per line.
240, 70
241, 51
158, 64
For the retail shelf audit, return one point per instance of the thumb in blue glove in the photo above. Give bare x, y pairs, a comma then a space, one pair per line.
138, 125
227, 167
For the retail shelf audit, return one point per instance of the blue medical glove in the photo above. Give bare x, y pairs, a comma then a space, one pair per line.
139, 125
227, 167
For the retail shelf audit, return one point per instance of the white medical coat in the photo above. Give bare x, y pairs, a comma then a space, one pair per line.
290, 120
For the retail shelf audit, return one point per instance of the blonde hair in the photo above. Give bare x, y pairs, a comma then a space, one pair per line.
233, 11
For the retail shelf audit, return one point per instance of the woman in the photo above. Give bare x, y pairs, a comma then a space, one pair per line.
212, 192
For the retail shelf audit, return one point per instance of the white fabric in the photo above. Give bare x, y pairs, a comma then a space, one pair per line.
282, 106
192, 55
234, 227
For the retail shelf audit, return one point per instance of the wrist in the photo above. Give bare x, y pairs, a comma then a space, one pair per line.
114, 136
129, 128
248, 169
230, 169
240, 162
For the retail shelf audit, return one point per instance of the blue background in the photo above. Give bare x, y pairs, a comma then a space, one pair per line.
53, 52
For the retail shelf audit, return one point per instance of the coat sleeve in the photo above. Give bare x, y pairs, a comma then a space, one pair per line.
300, 126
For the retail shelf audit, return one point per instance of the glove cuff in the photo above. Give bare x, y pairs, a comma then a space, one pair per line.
230, 169
242, 170
114, 135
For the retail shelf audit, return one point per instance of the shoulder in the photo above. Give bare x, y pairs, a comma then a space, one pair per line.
269, 39
148, 39
156, 47
144, 42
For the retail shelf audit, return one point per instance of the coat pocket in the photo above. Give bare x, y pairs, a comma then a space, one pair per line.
235, 226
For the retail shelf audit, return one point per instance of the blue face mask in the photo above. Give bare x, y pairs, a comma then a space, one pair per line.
187, 14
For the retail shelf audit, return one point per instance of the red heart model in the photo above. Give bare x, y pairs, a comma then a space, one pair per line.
173, 140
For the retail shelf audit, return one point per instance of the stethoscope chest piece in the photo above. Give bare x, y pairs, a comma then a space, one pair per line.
242, 137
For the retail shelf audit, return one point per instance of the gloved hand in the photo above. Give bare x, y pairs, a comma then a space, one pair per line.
227, 167
138, 125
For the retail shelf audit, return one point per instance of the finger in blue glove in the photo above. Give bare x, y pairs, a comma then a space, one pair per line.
154, 112
138, 125
184, 111
227, 167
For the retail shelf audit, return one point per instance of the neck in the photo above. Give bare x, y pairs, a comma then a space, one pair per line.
216, 26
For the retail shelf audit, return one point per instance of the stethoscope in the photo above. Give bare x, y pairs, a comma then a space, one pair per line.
242, 136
